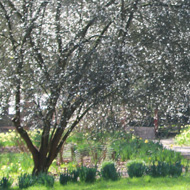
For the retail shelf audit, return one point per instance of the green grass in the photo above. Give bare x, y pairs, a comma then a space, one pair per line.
144, 183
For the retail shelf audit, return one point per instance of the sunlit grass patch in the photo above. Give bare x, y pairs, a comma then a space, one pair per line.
184, 137
15, 163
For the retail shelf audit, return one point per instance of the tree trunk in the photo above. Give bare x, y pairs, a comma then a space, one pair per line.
40, 166
61, 155
43, 162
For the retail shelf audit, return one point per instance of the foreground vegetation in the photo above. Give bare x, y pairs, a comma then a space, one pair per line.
84, 157
183, 138
119, 147
143, 183
155, 166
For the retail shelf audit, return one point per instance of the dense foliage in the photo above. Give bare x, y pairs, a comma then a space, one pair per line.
109, 171
61, 59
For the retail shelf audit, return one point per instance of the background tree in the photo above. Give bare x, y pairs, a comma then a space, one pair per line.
162, 59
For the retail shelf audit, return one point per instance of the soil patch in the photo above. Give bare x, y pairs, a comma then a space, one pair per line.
8, 149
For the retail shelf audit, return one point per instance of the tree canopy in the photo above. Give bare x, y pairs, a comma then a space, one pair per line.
62, 58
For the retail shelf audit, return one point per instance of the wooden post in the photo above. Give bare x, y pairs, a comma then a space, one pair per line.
156, 120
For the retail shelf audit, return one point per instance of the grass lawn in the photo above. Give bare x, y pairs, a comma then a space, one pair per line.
144, 183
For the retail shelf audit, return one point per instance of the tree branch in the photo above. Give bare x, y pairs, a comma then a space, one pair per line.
134, 8
25, 136
13, 41
14, 9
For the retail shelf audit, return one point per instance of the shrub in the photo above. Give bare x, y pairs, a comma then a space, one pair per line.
25, 181
69, 177
163, 169
175, 170
45, 179
5, 183
64, 178
86, 174
108, 171
136, 168
74, 175
160, 170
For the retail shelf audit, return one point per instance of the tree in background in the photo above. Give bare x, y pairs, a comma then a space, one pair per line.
65, 57
162, 61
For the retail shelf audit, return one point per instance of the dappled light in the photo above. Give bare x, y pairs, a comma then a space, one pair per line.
78, 78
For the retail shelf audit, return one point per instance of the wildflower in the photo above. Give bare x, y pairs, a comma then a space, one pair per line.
146, 141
